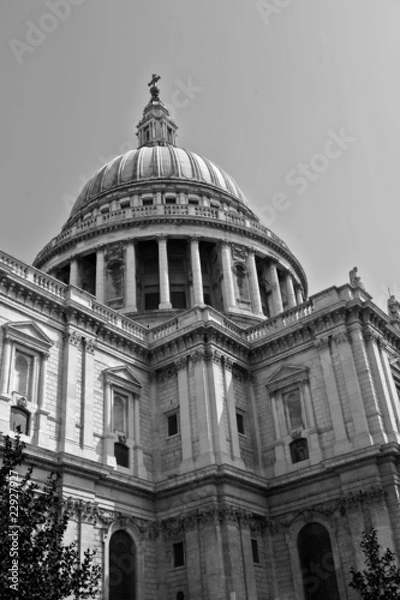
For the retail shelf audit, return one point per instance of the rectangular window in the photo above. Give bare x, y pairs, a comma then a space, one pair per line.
172, 422
193, 201
254, 551
292, 401
147, 201
179, 554
170, 200
240, 422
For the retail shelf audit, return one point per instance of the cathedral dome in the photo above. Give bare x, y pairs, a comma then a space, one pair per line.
157, 162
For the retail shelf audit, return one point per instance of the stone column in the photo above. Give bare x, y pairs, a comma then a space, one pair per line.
70, 397
373, 343
130, 280
196, 272
108, 437
139, 467
354, 397
299, 295
4, 387
255, 295
73, 273
184, 415
88, 385
165, 299
342, 443
275, 289
42, 434
5, 367
230, 401
229, 287
291, 296
100, 296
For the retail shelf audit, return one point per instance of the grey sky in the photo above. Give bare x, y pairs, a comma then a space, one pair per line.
276, 86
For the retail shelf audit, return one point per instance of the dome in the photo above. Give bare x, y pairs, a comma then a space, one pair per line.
150, 163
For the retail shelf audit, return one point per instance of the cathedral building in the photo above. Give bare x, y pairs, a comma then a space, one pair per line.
220, 434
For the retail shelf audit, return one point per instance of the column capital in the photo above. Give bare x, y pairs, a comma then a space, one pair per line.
162, 237
341, 337
322, 343
195, 238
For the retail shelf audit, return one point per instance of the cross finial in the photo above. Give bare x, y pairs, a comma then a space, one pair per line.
154, 80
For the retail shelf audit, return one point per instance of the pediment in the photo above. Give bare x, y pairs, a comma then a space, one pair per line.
286, 375
28, 332
122, 376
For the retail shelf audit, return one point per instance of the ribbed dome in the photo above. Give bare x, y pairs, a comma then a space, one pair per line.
157, 162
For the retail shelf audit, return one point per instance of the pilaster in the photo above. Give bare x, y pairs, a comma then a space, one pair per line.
184, 415
72, 351
100, 274
362, 435
342, 444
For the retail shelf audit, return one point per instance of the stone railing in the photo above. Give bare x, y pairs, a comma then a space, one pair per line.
289, 317
35, 276
160, 210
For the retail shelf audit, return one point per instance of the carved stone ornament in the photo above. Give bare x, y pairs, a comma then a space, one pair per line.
114, 253
394, 310
181, 363
90, 345
122, 439
22, 401
73, 337
322, 343
197, 355
342, 337
239, 253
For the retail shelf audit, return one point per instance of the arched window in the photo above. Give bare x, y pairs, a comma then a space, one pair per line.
115, 281
242, 281
317, 564
119, 413
122, 567
19, 417
299, 450
22, 369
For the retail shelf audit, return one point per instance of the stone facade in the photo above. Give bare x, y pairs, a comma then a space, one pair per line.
165, 354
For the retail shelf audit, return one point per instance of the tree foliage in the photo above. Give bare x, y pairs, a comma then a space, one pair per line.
35, 564
380, 580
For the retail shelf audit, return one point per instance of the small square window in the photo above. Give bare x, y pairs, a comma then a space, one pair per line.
254, 551
240, 422
172, 421
179, 554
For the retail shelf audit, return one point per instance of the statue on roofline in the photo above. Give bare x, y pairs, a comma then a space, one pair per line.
355, 280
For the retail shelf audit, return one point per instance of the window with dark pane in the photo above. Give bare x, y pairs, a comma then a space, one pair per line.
240, 422
299, 450
254, 551
172, 421
121, 453
179, 554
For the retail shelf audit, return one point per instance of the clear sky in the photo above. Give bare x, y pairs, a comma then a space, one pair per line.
272, 85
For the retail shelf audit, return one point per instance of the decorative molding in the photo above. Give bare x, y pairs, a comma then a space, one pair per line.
90, 345
73, 337
342, 337
322, 343
181, 363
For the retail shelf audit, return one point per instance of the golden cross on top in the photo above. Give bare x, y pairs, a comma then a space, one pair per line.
154, 80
